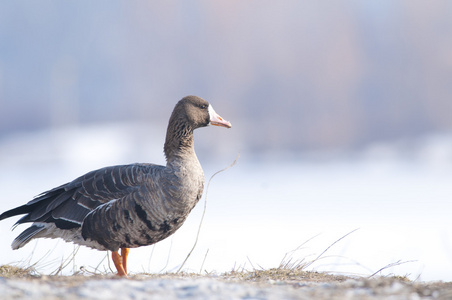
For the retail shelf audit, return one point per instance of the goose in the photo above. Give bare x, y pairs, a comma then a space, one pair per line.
126, 206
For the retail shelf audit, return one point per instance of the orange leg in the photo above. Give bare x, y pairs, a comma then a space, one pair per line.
117, 260
124, 254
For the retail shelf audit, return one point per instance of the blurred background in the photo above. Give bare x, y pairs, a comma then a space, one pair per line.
341, 113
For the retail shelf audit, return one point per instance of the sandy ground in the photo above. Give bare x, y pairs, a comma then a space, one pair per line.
270, 284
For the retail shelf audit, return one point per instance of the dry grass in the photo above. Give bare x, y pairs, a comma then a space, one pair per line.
259, 276
289, 269
9, 271
283, 275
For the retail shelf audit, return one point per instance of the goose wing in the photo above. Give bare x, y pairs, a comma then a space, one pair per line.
67, 205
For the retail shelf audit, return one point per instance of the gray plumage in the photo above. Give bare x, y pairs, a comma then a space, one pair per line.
131, 205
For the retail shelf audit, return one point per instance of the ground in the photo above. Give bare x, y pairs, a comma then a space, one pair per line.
18, 283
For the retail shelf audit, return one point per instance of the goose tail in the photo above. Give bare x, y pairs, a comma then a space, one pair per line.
27, 235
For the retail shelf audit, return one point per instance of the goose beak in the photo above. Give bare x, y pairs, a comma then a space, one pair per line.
216, 120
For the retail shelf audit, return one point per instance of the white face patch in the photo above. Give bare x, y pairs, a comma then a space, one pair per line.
212, 112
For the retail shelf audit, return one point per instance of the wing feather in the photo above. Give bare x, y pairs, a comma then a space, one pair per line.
69, 204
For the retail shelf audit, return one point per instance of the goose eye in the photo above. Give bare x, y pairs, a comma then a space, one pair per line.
203, 106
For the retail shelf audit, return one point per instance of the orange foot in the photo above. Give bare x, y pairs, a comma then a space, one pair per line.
120, 261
